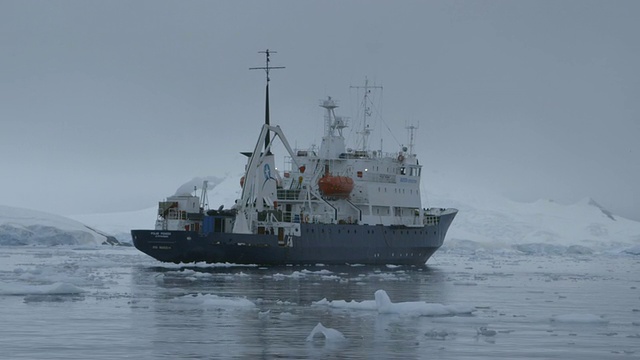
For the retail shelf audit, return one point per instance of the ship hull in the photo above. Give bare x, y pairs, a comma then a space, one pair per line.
318, 244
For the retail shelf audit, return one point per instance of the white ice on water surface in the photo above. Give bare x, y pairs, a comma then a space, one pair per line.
211, 301
58, 288
579, 319
421, 308
383, 305
117, 298
348, 305
328, 333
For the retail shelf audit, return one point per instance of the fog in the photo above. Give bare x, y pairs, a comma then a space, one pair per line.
112, 105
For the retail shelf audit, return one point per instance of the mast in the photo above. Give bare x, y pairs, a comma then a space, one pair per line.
266, 69
411, 128
367, 111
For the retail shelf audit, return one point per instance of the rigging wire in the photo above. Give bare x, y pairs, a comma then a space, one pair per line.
362, 106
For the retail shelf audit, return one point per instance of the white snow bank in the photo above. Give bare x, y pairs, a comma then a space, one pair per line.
20, 226
328, 333
52, 289
216, 302
383, 305
490, 222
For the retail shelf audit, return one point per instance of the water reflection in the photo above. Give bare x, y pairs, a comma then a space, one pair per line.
284, 313
295, 285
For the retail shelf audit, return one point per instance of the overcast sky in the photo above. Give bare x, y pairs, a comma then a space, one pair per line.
111, 105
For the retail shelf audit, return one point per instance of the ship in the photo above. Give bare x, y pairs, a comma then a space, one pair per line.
331, 205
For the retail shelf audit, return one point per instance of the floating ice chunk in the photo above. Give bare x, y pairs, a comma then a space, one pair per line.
350, 305
420, 308
579, 250
330, 277
383, 305
482, 330
438, 334
62, 288
540, 249
319, 272
380, 276
263, 314
296, 275
287, 316
579, 318
634, 250
293, 275
217, 302
328, 333
58, 288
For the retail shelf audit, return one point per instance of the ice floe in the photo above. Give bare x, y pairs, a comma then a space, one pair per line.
58, 288
212, 301
579, 319
328, 333
383, 305
421, 308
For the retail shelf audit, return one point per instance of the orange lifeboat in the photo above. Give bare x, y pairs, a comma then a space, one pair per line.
336, 186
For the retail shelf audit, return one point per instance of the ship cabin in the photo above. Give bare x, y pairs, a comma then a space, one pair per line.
179, 212
342, 185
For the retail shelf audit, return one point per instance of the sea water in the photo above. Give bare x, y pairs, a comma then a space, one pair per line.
108, 303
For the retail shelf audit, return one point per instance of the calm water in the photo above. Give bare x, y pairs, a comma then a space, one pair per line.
64, 303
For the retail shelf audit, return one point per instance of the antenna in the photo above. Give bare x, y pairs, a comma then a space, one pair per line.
266, 69
412, 128
367, 111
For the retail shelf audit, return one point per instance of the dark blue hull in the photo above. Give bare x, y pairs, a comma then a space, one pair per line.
318, 244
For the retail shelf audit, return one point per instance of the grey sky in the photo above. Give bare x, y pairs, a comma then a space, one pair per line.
111, 105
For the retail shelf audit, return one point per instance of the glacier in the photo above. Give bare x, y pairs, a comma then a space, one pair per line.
20, 226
